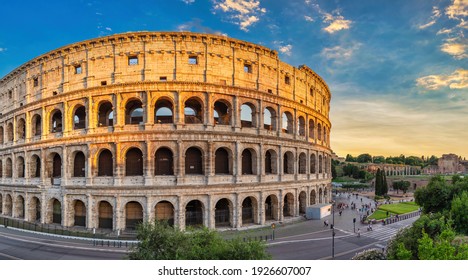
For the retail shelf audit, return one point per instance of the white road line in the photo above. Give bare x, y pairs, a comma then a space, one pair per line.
9, 256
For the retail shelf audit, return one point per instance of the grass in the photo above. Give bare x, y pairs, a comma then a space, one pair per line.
396, 208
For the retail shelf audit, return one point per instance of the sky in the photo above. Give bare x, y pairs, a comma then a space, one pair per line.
397, 69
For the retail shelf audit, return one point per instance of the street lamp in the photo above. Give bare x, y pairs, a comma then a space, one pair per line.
333, 229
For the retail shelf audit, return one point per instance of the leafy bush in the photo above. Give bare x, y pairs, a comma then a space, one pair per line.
371, 254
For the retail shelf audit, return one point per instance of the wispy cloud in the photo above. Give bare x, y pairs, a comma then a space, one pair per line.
455, 47
3, 50
334, 20
188, 1
308, 18
456, 80
196, 25
340, 53
433, 19
244, 13
283, 48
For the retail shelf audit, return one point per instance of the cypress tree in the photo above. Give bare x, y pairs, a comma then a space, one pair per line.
378, 182
384, 183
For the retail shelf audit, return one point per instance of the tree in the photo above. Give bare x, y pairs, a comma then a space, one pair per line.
378, 159
363, 158
435, 197
401, 185
370, 254
159, 241
459, 212
333, 170
384, 183
378, 183
350, 158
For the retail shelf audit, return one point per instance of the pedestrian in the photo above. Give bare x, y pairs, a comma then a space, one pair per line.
340, 212
358, 232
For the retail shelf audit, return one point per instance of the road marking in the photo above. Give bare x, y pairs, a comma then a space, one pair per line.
306, 240
9, 256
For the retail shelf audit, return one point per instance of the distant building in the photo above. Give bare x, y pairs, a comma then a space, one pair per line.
448, 164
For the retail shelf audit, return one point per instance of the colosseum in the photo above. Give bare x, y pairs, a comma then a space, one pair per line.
196, 129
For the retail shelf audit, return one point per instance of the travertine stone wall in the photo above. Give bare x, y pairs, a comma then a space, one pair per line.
50, 118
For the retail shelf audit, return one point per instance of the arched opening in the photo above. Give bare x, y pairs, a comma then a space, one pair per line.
80, 213
223, 213
222, 161
313, 197
248, 162
312, 164
20, 167
79, 165
105, 114
164, 211
36, 123
35, 210
320, 164
288, 163
8, 207
269, 119
325, 195
134, 112
21, 129
194, 213
271, 162
249, 210
79, 118
164, 162
19, 205
302, 202
105, 215
133, 215
288, 205
302, 163
287, 123
301, 126
56, 121
163, 111
222, 113
320, 196
193, 161
311, 129
1, 203
319, 132
56, 212
105, 163
325, 137
56, 166
35, 167
193, 111
1, 135
8, 168
271, 208
247, 115
10, 132
134, 162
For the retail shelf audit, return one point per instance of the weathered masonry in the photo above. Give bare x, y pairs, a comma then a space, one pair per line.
192, 128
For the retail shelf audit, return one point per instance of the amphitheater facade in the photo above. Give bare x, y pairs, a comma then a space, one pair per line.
195, 129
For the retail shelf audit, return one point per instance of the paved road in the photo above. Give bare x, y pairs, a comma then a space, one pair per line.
16, 245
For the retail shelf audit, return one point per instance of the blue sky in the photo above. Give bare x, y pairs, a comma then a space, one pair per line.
398, 70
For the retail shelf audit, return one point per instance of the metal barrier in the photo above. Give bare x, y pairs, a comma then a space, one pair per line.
398, 218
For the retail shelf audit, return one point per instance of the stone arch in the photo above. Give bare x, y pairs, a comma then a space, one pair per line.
8, 207
164, 161
313, 170
79, 164
56, 121
319, 131
54, 212
249, 210
36, 125
1, 203
134, 111
222, 161
20, 129
301, 126
105, 163
55, 165
302, 163
164, 111
1, 135
194, 161
269, 119
134, 162
8, 168
248, 115
164, 211
133, 215
105, 215
224, 213
325, 195
288, 205
35, 166
249, 161
10, 132
320, 164
311, 129
287, 122
271, 208
34, 209
302, 202
105, 114
288, 163
313, 197
20, 167
271, 162
79, 210
194, 211
222, 112
320, 196
193, 111
79, 117
19, 207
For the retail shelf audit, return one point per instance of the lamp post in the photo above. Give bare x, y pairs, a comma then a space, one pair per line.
333, 229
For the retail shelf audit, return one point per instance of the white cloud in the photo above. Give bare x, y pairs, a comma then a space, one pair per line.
336, 24
455, 47
340, 53
3, 50
108, 29
196, 25
445, 31
287, 49
459, 8
457, 80
308, 18
188, 1
433, 19
243, 12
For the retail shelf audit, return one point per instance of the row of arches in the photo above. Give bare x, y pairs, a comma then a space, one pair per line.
166, 113
195, 211
164, 163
